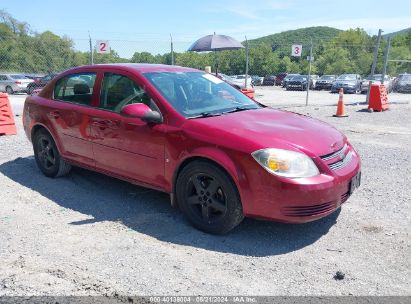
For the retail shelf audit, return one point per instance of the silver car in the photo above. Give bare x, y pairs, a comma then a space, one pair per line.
376, 79
14, 83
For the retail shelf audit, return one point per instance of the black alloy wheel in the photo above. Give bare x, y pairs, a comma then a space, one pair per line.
208, 198
47, 156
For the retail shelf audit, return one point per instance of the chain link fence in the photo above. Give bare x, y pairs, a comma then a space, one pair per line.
343, 52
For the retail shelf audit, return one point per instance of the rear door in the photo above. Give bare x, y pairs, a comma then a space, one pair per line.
127, 147
71, 114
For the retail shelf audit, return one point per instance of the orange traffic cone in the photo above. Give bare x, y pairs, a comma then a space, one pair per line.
7, 125
340, 106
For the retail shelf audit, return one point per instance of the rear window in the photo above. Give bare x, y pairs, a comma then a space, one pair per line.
77, 88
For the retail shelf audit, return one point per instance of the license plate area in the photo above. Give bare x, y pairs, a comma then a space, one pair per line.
355, 182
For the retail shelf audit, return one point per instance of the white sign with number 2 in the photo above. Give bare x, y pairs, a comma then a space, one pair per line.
103, 46
296, 50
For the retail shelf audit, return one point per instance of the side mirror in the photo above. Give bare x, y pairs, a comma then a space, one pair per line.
142, 111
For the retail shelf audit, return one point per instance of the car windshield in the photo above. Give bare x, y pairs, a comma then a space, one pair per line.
288, 77
376, 77
347, 77
327, 77
406, 77
199, 94
299, 78
18, 77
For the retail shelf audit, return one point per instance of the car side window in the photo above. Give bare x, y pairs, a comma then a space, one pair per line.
119, 90
2, 77
76, 88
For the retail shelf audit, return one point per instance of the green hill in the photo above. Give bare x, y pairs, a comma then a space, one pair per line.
394, 34
299, 36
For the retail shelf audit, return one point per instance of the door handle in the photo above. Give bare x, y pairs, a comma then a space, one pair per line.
100, 123
106, 124
55, 114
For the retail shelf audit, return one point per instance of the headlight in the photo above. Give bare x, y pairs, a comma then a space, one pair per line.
286, 163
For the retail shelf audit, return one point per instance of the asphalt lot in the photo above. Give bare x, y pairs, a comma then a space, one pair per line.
88, 234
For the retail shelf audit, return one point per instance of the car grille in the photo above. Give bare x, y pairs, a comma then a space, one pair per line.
340, 153
308, 210
343, 157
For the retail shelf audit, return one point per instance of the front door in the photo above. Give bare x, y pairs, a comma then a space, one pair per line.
127, 147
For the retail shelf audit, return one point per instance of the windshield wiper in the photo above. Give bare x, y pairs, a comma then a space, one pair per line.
240, 108
205, 114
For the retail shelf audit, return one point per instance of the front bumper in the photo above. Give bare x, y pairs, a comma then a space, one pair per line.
345, 88
323, 86
299, 200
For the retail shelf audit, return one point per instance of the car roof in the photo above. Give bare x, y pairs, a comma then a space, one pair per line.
139, 67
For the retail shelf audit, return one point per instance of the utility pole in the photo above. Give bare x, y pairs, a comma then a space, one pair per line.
309, 72
246, 61
172, 50
374, 63
386, 54
91, 49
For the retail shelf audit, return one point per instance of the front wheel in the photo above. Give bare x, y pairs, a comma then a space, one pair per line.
208, 198
47, 156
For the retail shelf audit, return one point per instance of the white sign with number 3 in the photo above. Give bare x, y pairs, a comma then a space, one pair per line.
103, 46
296, 50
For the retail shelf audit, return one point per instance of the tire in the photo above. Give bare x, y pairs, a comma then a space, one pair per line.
9, 90
30, 90
47, 156
208, 198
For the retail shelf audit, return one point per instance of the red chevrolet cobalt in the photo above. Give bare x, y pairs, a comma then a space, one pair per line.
219, 154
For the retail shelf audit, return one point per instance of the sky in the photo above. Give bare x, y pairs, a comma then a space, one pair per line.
147, 25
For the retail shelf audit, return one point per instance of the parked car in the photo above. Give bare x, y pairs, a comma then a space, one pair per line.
13, 83
269, 80
249, 90
39, 83
403, 83
350, 83
219, 154
279, 78
257, 80
240, 80
287, 78
313, 81
324, 82
376, 79
33, 77
297, 83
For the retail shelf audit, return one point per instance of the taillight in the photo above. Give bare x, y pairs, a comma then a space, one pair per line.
18, 82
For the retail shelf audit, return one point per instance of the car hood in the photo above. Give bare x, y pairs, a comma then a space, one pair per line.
252, 130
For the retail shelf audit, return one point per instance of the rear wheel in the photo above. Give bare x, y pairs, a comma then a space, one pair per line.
9, 90
47, 156
208, 198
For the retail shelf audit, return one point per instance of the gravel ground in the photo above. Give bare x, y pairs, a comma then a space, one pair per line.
88, 234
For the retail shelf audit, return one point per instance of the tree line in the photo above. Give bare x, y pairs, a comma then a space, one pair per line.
351, 51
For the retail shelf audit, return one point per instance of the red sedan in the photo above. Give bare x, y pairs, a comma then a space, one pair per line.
219, 154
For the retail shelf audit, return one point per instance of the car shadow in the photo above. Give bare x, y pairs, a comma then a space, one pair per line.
146, 211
